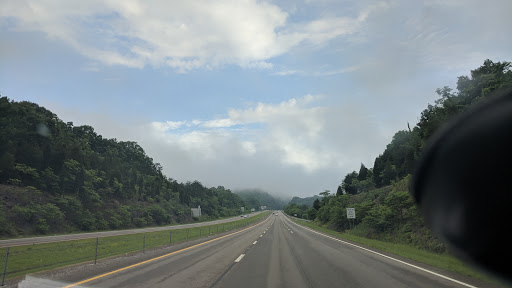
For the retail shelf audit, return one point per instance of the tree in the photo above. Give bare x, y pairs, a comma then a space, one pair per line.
323, 214
348, 185
70, 176
159, 215
399, 202
363, 173
27, 174
380, 218
50, 181
325, 197
311, 213
325, 193
96, 183
316, 204
339, 191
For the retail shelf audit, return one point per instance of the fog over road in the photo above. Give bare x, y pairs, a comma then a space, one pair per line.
273, 253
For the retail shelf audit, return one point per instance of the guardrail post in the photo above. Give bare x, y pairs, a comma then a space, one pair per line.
5, 266
96, 252
144, 244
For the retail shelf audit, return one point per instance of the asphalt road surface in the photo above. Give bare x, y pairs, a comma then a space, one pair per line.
68, 237
274, 253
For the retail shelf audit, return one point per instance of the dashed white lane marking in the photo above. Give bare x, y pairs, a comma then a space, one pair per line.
261, 235
291, 231
264, 232
239, 258
254, 242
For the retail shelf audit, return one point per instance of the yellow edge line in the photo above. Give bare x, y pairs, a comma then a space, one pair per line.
159, 257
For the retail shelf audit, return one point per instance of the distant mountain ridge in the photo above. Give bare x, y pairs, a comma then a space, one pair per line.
308, 201
254, 198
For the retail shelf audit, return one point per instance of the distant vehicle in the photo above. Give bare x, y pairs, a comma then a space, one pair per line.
241, 215
245, 216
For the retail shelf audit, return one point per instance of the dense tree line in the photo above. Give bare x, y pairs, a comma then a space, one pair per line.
59, 177
399, 157
384, 207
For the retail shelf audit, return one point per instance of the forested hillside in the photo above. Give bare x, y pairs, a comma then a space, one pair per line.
380, 195
308, 201
57, 177
254, 198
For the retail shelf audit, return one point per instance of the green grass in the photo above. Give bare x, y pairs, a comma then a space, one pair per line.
136, 228
443, 261
39, 257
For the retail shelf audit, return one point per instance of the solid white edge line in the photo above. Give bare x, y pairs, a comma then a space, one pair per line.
239, 258
254, 242
388, 257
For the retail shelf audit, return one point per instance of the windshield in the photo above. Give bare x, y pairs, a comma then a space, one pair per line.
288, 118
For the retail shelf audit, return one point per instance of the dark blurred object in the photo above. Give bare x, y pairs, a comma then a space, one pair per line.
463, 184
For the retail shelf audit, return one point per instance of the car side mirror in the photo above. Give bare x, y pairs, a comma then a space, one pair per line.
463, 184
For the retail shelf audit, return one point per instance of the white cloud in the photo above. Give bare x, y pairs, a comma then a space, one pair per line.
217, 123
184, 35
296, 141
250, 147
319, 73
168, 125
287, 72
295, 147
392, 55
296, 133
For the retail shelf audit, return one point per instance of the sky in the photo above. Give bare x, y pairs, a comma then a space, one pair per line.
285, 96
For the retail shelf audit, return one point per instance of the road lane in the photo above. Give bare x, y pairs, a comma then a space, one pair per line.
79, 236
274, 253
290, 256
198, 266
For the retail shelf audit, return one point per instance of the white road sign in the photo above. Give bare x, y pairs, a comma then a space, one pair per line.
351, 213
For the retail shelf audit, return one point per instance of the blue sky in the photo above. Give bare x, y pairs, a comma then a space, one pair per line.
285, 96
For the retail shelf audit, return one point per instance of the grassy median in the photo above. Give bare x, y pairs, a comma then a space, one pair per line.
39, 257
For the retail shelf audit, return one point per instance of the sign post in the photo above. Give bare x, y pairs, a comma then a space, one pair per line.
351, 214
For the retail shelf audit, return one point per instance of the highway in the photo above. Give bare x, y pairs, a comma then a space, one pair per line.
78, 236
273, 253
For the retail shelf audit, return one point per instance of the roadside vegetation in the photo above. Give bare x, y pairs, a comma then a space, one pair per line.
59, 178
384, 207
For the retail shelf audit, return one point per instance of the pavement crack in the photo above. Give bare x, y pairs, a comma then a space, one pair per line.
299, 263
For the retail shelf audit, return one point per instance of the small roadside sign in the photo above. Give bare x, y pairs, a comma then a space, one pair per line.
351, 213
